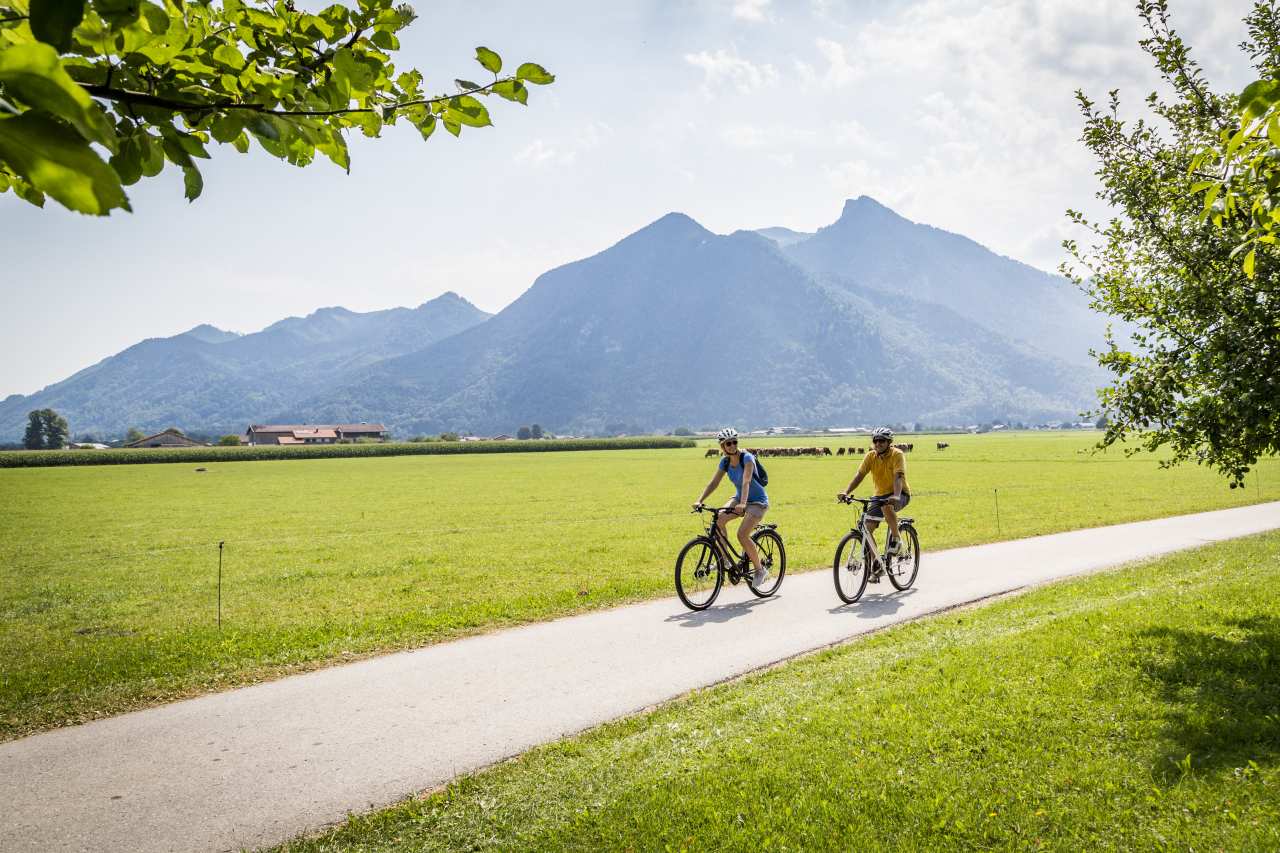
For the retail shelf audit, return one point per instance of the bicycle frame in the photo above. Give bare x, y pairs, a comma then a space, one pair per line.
737, 563
721, 539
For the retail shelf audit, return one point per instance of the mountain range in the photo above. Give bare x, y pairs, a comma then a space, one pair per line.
872, 318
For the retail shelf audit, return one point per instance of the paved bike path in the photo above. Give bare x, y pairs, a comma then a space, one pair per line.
258, 765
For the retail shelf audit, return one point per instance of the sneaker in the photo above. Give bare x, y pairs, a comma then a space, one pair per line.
894, 546
762, 574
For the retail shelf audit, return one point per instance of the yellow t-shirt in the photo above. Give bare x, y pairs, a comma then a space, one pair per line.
882, 470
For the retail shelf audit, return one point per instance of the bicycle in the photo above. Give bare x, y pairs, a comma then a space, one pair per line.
703, 563
857, 561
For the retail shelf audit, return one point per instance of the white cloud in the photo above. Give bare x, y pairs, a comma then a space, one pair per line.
838, 71
727, 68
588, 137
751, 10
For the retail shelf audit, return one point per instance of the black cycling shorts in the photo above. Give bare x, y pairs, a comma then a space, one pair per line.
875, 513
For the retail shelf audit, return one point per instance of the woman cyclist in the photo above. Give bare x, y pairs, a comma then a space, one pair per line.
751, 503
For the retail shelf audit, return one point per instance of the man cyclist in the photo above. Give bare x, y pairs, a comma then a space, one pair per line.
751, 503
887, 466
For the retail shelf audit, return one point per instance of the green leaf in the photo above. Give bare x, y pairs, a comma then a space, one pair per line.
1258, 97
351, 74
229, 56
451, 123
490, 60
58, 161
32, 74
264, 127
52, 21
128, 162
512, 90
470, 111
1248, 262
426, 126
226, 127
118, 13
192, 182
534, 73
152, 154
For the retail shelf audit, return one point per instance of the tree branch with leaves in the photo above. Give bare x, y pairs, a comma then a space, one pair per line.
148, 84
1200, 376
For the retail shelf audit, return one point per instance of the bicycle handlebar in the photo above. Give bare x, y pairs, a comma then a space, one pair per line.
848, 499
712, 509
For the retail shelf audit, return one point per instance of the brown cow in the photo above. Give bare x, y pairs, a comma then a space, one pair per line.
711, 452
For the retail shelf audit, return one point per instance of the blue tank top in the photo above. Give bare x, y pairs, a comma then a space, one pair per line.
756, 493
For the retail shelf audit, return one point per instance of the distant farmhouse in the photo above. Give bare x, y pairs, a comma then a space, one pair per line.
313, 433
169, 438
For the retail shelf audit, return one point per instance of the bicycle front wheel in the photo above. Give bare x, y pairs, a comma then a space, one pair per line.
850, 568
773, 556
699, 574
904, 565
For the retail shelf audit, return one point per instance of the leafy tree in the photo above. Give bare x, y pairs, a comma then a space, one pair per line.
535, 431
156, 82
524, 433
46, 430
682, 431
134, 434
449, 436
1245, 196
229, 440
1201, 375
33, 437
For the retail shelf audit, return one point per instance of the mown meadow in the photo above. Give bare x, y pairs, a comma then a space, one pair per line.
108, 575
1129, 710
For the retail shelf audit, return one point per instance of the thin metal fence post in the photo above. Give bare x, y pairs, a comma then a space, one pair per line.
220, 544
996, 492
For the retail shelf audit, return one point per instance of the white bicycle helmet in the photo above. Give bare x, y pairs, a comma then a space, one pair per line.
882, 432
726, 434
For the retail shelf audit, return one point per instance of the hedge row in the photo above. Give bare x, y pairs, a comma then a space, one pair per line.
140, 456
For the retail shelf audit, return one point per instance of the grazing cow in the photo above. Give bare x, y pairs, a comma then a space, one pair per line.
711, 452
826, 451
839, 451
942, 445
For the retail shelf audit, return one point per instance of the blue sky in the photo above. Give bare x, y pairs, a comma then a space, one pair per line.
741, 113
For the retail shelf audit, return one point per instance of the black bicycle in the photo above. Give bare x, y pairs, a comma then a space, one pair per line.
704, 562
857, 562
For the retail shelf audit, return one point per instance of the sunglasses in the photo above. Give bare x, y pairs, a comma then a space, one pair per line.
879, 441
734, 442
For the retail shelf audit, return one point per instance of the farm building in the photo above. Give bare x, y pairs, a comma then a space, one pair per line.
169, 438
313, 433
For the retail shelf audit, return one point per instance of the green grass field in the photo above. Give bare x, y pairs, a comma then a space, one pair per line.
1133, 710
108, 574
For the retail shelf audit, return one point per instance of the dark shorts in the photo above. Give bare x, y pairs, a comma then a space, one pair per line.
875, 513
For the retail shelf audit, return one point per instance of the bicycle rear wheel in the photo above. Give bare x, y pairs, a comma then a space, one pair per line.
773, 556
902, 567
699, 574
850, 568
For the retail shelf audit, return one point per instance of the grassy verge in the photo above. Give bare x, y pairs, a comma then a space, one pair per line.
1135, 710
108, 575
261, 453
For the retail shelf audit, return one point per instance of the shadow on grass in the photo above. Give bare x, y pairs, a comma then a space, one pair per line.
1223, 693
